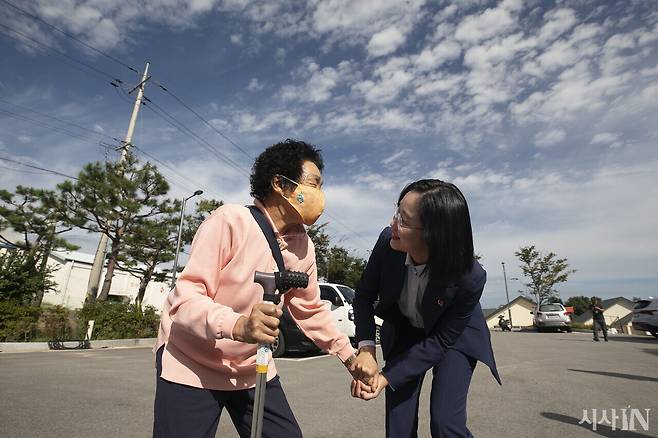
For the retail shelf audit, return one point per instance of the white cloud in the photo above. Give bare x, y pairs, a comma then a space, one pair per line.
435, 57
254, 85
390, 79
385, 42
492, 22
320, 82
550, 137
236, 39
607, 138
396, 156
24, 139
557, 22
375, 181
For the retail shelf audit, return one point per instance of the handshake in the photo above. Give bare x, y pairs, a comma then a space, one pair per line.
367, 381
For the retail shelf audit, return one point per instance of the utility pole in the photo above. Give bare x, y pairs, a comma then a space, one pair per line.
180, 232
99, 258
509, 311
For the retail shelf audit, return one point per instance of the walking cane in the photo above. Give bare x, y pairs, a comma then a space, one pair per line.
270, 283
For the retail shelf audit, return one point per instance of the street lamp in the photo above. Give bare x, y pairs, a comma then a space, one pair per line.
180, 231
509, 311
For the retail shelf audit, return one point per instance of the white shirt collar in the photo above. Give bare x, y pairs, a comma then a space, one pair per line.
419, 270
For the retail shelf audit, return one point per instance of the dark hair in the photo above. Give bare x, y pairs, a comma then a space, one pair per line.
446, 228
284, 158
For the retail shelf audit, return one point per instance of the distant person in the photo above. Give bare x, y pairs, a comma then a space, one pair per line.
598, 321
423, 280
214, 317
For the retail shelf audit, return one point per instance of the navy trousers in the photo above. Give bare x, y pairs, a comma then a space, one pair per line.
450, 382
189, 412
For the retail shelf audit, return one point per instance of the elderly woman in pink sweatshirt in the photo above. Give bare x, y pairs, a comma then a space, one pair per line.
213, 319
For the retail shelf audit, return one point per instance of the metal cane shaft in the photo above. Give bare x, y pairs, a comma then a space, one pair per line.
259, 406
263, 355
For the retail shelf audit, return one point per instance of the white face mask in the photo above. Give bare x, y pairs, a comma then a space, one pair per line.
307, 201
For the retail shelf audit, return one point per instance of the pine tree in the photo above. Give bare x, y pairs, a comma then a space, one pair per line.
111, 198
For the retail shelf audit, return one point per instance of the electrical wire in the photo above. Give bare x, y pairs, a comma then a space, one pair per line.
112, 80
68, 35
179, 100
47, 126
83, 128
173, 121
54, 172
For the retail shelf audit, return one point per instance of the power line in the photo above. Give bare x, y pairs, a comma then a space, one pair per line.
83, 128
47, 126
104, 145
175, 172
13, 169
37, 167
35, 17
173, 121
113, 81
162, 87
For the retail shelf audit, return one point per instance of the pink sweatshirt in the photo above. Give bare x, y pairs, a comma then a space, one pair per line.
217, 287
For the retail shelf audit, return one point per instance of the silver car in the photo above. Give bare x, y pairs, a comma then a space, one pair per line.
551, 316
645, 316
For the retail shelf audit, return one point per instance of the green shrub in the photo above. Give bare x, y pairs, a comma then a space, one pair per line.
57, 323
18, 323
20, 280
118, 321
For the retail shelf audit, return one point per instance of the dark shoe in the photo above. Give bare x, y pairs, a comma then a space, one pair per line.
606, 339
595, 340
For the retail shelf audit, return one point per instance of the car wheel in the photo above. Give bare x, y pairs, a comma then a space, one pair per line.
279, 345
539, 330
655, 334
569, 330
377, 331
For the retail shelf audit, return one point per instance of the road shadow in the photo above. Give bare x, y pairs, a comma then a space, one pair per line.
302, 354
634, 339
601, 429
650, 351
619, 375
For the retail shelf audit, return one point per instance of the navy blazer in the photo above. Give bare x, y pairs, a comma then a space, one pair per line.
451, 315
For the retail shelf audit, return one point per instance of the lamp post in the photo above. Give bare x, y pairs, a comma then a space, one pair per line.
509, 311
180, 231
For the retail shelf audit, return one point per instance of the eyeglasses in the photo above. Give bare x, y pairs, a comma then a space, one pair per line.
397, 217
307, 179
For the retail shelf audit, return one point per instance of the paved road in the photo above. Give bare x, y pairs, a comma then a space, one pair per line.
549, 379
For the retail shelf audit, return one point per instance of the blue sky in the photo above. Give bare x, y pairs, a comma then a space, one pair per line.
543, 113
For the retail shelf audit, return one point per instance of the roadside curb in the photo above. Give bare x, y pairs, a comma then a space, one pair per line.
30, 347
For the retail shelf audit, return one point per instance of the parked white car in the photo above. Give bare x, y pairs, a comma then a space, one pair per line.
551, 316
339, 298
645, 316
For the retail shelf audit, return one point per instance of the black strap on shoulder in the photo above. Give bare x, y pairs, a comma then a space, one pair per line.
265, 226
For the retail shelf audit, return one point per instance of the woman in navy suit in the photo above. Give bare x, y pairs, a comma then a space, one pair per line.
423, 280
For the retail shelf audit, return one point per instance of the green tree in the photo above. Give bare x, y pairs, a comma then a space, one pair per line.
344, 268
192, 223
20, 280
110, 198
29, 212
579, 303
320, 240
150, 243
543, 272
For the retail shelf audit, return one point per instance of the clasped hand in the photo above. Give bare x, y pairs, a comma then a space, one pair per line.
367, 381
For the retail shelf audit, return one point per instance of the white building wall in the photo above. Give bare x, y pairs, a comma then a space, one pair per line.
521, 316
72, 277
613, 314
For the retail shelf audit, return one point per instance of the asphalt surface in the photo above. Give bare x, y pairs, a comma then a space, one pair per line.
549, 379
